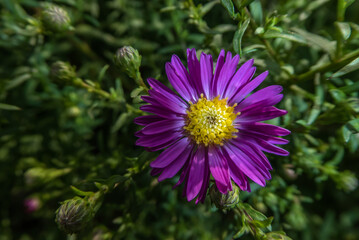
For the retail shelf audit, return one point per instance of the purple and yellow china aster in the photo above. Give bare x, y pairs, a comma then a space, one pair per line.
213, 126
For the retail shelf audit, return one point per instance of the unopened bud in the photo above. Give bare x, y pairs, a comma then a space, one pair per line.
73, 215
62, 72
31, 204
128, 59
289, 172
224, 201
55, 19
347, 181
73, 111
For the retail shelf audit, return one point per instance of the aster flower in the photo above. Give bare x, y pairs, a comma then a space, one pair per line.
214, 126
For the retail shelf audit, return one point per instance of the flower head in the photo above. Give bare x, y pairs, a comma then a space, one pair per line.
128, 59
214, 126
55, 19
73, 215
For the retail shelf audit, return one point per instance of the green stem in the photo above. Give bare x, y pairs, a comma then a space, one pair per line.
340, 18
266, 43
308, 95
90, 88
140, 81
331, 66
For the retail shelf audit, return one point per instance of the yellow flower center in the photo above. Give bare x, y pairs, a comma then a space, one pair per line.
211, 121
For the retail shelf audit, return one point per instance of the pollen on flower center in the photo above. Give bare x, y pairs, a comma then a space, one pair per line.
211, 121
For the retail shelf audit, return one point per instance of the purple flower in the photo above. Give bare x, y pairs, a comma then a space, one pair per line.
31, 204
213, 127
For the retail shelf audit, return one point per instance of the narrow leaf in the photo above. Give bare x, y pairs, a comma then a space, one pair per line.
228, 4
237, 40
256, 11
352, 66
4, 106
317, 41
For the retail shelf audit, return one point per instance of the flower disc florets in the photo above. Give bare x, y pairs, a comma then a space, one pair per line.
211, 121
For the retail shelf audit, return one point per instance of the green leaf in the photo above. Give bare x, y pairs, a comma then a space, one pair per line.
80, 192
277, 236
4, 106
122, 119
285, 35
228, 4
102, 72
338, 95
264, 223
207, 7
344, 29
256, 215
318, 101
353, 125
237, 40
17, 81
241, 232
135, 92
317, 41
256, 11
346, 133
242, 3
352, 66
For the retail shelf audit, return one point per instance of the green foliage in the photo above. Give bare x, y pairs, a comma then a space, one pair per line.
67, 110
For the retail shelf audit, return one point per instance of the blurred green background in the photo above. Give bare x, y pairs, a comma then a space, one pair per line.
58, 131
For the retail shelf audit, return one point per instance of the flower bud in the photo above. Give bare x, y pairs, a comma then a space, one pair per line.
62, 72
224, 201
31, 204
129, 60
55, 19
73, 215
347, 181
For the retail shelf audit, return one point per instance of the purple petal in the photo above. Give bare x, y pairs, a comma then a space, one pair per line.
164, 145
263, 136
246, 165
243, 92
171, 153
261, 114
196, 173
184, 173
267, 147
163, 126
166, 92
206, 64
177, 82
260, 95
156, 171
160, 111
194, 71
173, 168
139, 134
254, 153
219, 65
240, 79
158, 139
144, 120
183, 74
227, 72
265, 128
163, 104
219, 169
261, 104
236, 174
203, 192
